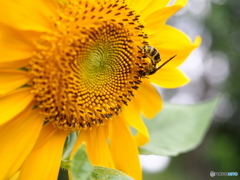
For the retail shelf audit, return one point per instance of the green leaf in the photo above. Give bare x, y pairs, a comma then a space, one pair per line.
178, 128
81, 168
102, 173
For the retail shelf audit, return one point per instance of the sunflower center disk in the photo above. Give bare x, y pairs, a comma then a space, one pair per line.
84, 76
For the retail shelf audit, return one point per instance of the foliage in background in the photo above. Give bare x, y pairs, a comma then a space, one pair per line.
223, 23
178, 128
81, 169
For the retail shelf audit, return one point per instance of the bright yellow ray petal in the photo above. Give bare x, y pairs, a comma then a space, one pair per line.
155, 20
19, 42
140, 139
168, 35
97, 146
169, 78
18, 137
124, 149
11, 80
14, 64
147, 7
15, 176
26, 14
149, 99
132, 115
44, 160
140, 4
14, 103
172, 41
153, 6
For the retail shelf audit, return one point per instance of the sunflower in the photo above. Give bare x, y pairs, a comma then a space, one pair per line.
75, 66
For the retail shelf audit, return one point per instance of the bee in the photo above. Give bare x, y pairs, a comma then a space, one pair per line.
155, 58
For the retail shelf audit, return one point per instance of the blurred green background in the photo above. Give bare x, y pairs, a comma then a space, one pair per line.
214, 69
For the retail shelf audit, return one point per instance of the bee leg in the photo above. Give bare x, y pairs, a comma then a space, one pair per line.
140, 48
156, 69
153, 71
165, 62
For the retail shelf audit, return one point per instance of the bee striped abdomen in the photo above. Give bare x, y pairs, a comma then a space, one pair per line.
152, 53
156, 57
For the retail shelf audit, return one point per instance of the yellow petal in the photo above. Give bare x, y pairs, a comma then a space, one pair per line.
44, 160
172, 41
18, 137
97, 146
153, 6
26, 14
167, 36
15, 176
14, 103
16, 64
149, 99
169, 78
140, 139
147, 7
16, 45
11, 80
132, 115
140, 4
156, 19
124, 149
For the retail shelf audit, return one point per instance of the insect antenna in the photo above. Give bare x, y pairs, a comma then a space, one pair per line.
166, 62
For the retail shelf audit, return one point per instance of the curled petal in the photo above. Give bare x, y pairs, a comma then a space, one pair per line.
133, 117
149, 99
